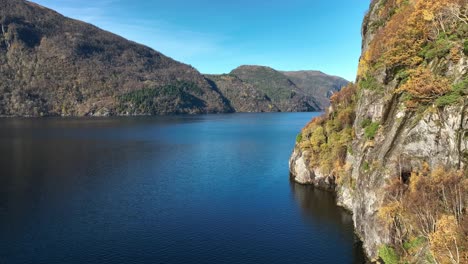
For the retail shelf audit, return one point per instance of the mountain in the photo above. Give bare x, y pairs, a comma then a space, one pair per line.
278, 87
252, 88
53, 65
317, 84
394, 145
242, 96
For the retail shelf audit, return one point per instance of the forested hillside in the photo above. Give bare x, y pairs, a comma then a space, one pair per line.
53, 65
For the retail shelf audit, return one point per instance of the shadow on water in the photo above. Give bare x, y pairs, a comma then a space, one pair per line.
319, 209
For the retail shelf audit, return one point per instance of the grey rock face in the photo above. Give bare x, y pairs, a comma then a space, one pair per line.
302, 173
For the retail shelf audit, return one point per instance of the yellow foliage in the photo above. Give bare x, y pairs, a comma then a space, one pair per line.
428, 15
447, 242
328, 137
426, 168
455, 54
388, 212
364, 64
415, 181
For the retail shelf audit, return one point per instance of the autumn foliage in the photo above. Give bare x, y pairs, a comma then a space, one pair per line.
432, 207
409, 35
408, 27
424, 85
327, 137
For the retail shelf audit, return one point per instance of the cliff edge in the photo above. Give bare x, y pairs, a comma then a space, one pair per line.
394, 145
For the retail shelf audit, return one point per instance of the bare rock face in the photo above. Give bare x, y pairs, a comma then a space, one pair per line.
299, 169
301, 172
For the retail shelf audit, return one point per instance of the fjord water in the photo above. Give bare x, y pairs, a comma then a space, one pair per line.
180, 189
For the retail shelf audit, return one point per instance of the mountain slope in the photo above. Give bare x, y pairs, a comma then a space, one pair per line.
394, 146
253, 88
242, 96
317, 84
53, 65
278, 87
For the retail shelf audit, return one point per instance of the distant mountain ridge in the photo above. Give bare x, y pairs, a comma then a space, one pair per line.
317, 84
293, 91
51, 65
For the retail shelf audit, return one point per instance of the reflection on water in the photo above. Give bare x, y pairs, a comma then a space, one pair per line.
318, 208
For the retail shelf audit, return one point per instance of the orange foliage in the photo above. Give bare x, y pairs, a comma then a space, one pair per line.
344, 97
456, 54
423, 85
316, 121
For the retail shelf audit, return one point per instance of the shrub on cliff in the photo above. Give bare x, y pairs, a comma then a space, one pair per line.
455, 95
329, 136
411, 27
371, 130
388, 255
412, 35
432, 208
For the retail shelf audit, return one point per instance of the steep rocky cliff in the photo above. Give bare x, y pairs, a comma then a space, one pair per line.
53, 65
394, 146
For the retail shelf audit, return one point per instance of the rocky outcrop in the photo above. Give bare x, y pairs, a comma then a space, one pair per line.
302, 173
393, 134
406, 142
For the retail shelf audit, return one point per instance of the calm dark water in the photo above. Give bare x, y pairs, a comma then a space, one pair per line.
184, 189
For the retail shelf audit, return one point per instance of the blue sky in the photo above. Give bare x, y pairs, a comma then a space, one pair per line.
216, 36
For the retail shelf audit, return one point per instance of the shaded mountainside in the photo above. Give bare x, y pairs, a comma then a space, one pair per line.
248, 87
53, 65
282, 91
242, 96
317, 84
394, 146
